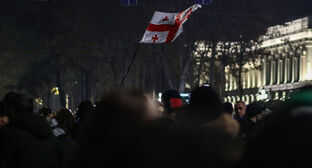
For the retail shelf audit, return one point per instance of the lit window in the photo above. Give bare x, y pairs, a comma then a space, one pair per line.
129, 2
203, 2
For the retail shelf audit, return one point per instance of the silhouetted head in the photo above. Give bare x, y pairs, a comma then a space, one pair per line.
46, 113
228, 108
206, 97
84, 109
65, 119
254, 109
124, 106
15, 104
204, 107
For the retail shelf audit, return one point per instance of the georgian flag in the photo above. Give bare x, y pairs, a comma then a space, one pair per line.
166, 27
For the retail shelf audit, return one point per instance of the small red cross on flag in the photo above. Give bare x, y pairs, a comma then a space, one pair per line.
165, 19
166, 27
155, 38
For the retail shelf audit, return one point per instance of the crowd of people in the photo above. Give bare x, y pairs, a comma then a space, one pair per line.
127, 128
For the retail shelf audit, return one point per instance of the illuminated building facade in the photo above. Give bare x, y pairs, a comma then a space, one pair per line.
287, 67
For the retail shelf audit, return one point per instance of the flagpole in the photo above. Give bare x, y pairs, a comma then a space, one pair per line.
131, 63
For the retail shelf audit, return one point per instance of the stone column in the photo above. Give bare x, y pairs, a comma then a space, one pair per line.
264, 78
303, 66
234, 83
309, 62
231, 82
272, 70
244, 79
279, 66
233, 99
248, 79
227, 80
254, 77
259, 83
286, 70
293, 68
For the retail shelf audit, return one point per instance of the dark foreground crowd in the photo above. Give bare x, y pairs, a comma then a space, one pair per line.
126, 128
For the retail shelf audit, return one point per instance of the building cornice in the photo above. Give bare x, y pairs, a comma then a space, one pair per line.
288, 86
305, 35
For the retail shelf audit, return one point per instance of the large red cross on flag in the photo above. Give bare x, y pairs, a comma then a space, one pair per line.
166, 27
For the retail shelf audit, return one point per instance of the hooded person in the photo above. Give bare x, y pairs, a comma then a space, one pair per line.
172, 101
27, 140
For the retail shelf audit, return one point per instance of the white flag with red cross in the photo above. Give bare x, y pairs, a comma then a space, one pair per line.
166, 27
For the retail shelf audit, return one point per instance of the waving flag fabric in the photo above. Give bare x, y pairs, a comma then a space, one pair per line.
166, 27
